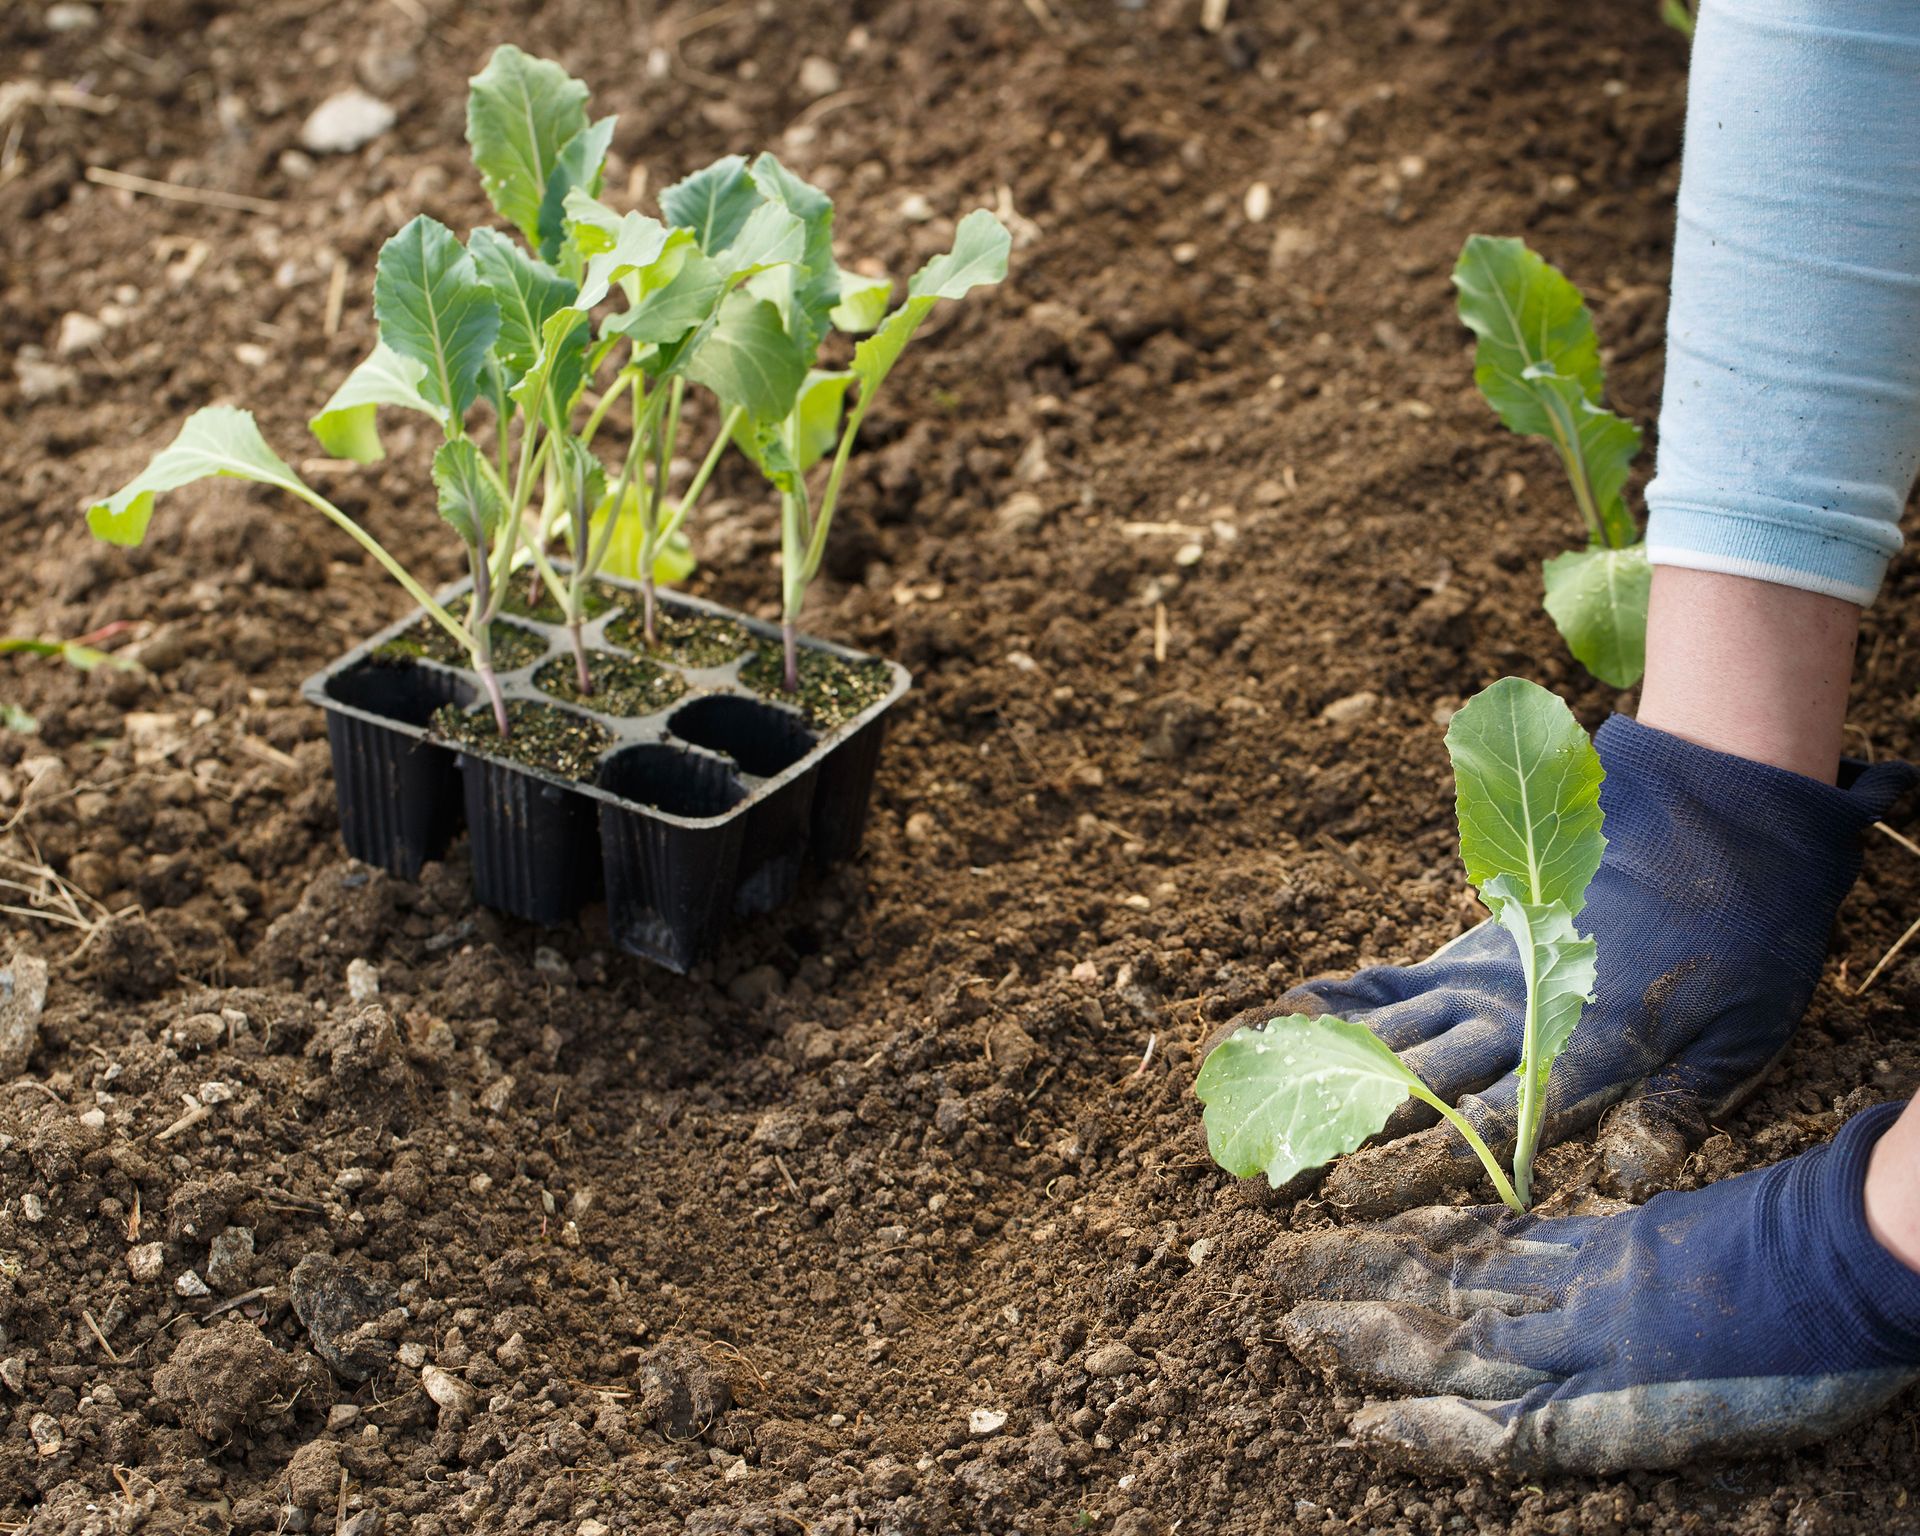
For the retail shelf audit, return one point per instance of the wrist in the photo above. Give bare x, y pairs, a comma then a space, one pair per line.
1892, 1192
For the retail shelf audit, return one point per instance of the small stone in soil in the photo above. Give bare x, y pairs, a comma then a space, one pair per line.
542, 737
622, 685
513, 647
338, 1305
691, 639
832, 689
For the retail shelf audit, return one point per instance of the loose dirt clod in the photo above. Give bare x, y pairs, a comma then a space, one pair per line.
225, 1378
342, 1309
680, 1393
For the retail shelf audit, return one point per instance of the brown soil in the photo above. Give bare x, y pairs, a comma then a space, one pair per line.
832, 689
537, 1236
540, 735
622, 685
689, 640
513, 646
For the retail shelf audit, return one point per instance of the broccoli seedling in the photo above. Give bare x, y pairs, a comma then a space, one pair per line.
1301, 1091
1537, 362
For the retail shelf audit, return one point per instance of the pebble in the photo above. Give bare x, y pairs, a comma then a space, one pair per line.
13, 1374
45, 1429
40, 380
755, 986
251, 354
1198, 1251
591, 1528
190, 1286
33, 1207
230, 1259
915, 209
1352, 707
23, 995
446, 1389
363, 981
146, 1262
343, 1416
413, 1355
94, 1119
986, 1421
72, 16
78, 333
1259, 202
921, 827
1111, 1360
818, 76
345, 121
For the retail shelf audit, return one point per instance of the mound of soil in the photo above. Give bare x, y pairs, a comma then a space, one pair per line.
337, 1204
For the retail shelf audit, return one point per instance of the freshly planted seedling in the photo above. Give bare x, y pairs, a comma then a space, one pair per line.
1299, 1092
1538, 365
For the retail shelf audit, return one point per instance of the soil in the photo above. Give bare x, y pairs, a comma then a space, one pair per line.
335, 1203
594, 603
689, 640
622, 685
832, 689
513, 646
539, 735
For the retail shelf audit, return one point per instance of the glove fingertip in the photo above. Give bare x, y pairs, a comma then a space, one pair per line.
1443, 1434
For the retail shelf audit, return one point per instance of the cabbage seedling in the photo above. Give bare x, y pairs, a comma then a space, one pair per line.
1538, 365
1301, 1091
789, 415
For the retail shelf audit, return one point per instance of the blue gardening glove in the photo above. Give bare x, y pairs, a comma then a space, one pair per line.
1712, 910
1752, 1315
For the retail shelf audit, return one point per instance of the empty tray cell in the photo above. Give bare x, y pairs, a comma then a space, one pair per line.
668, 779
399, 794
762, 738
399, 690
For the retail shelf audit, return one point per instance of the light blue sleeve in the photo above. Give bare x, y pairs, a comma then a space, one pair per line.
1790, 424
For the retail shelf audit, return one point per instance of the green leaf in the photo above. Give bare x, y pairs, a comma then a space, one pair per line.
346, 426
582, 159
645, 256
816, 283
521, 113
1525, 313
749, 360
1677, 14
432, 307
1558, 963
527, 292
82, 658
468, 501
1527, 792
1537, 362
814, 422
559, 370
979, 256
14, 718
770, 237
667, 314
217, 440
672, 561
591, 225
1296, 1095
713, 203
1598, 599
862, 303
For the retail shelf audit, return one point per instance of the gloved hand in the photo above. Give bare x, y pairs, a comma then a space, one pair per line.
1751, 1315
1711, 908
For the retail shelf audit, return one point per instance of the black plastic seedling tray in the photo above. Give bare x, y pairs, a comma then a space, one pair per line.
705, 809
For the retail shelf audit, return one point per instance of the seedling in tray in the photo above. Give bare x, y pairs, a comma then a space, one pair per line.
1538, 364
1299, 1092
